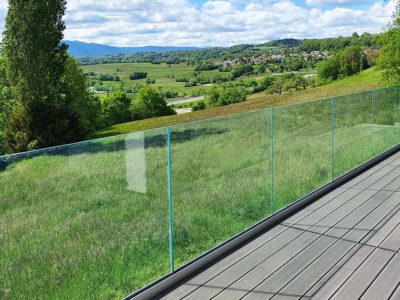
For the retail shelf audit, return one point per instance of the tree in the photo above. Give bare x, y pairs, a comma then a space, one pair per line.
116, 108
389, 58
6, 104
277, 86
149, 103
300, 81
86, 105
350, 61
35, 62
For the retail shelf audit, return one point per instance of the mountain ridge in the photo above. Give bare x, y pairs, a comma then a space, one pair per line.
79, 49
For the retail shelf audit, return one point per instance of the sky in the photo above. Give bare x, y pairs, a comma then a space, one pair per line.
208, 23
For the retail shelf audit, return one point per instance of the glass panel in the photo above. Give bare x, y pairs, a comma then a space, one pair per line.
85, 221
221, 180
386, 122
302, 149
353, 131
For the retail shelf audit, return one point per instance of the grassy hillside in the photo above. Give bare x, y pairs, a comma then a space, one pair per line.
369, 79
90, 221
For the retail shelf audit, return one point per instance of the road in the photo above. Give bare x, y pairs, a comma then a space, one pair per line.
186, 100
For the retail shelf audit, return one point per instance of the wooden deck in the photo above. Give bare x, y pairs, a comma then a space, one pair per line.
343, 246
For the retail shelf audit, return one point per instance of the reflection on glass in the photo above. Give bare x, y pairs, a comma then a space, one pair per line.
135, 161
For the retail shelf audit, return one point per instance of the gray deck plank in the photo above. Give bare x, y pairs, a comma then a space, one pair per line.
371, 221
331, 273
313, 207
274, 283
342, 228
395, 162
393, 186
384, 181
224, 264
396, 294
392, 242
342, 212
310, 220
251, 279
356, 284
384, 231
330, 287
385, 284
370, 180
313, 273
395, 171
362, 176
292, 236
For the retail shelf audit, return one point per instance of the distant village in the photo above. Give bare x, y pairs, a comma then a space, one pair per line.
274, 58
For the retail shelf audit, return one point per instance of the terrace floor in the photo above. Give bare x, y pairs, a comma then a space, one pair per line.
343, 246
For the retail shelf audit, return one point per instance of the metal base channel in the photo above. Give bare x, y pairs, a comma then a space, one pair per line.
168, 282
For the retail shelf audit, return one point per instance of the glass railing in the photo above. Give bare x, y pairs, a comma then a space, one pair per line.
102, 218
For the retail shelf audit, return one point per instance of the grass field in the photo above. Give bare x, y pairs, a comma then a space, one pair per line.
369, 79
165, 75
90, 221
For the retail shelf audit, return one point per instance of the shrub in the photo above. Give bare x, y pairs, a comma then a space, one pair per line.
201, 105
225, 96
116, 108
137, 75
149, 103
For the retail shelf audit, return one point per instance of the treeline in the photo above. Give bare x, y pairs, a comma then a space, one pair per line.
119, 107
200, 57
350, 61
340, 43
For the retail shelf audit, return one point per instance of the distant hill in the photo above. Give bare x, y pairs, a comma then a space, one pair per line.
77, 48
284, 42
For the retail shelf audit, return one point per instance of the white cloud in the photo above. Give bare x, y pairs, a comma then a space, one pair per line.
215, 23
337, 2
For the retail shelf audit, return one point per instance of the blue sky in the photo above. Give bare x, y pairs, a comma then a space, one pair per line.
206, 23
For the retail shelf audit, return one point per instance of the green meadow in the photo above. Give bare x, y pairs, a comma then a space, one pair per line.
91, 220
165, 75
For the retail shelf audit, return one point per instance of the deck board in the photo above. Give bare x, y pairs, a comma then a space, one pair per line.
361, 279
343, 246
385, 284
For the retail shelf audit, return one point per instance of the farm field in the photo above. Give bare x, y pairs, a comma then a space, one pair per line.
369, 79
165, 75
90, 220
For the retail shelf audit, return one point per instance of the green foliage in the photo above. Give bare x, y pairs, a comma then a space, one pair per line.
116, 108
205, 67
108, 77
137, 75
200, 105
348, 62
6, 104
277, 86
330, 69
389, 59
226, 96
150, 81
35, 62
242, 70
84, 104
340, 43
149, 103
